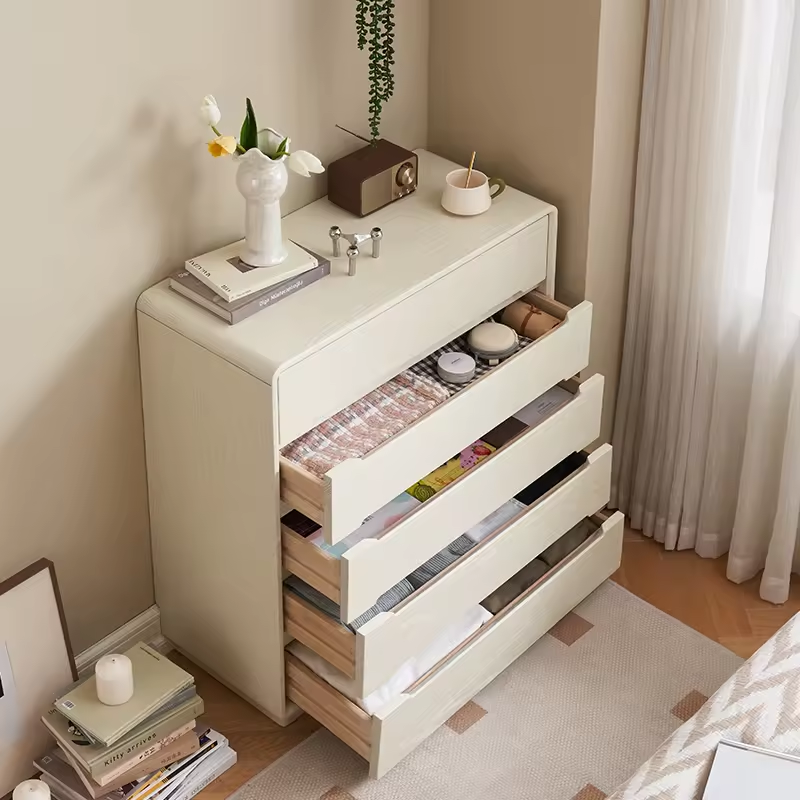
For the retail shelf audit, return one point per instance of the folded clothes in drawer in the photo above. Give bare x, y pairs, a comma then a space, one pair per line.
534, 571
531, 493
395, 511
402, 505
367, 423
388, 600
411, 671
458, 631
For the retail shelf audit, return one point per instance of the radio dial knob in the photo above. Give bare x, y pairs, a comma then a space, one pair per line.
405, 175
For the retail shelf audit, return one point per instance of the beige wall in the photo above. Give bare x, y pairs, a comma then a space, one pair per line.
550, 101
616, 136
522, 94
105, 188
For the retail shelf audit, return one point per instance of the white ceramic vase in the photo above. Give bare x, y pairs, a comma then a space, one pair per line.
262, 183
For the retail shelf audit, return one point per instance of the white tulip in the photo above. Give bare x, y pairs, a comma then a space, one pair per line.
269, 140
304, 163
209, 111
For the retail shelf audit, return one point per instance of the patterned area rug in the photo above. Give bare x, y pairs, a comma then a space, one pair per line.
571, 719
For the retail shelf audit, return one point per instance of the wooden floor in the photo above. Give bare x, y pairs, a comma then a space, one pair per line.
689, 588
696, 591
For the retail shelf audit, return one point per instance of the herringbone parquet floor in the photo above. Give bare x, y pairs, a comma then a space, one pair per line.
696, 591
689, 588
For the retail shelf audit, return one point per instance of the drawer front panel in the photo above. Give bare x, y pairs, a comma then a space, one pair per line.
380, 647
337, 375
386, 642
368, 572
374, 565
400, 727
354, 489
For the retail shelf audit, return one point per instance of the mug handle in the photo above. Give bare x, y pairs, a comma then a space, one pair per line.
500, 184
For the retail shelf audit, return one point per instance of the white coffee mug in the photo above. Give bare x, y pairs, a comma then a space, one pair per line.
458, 198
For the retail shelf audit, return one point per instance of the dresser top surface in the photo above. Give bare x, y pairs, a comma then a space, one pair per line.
421, 243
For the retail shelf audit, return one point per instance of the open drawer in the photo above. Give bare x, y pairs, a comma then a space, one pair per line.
393, 732
372, 566
372, 654
352, 490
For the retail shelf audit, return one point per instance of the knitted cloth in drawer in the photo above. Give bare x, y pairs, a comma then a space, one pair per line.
367, 423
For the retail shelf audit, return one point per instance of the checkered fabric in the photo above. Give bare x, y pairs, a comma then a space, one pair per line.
427, 367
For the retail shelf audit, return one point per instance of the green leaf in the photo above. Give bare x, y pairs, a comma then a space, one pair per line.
282, 148
248, 138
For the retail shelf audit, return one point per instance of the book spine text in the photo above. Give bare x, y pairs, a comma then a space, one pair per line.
138, 749
121, 767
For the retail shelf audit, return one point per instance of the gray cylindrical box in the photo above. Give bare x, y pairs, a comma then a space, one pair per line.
456, 367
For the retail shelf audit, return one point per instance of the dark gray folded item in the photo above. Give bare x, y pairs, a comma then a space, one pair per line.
443, 559
386, 601
515, 586
570, 541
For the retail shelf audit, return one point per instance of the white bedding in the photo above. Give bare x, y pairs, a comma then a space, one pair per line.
410, 672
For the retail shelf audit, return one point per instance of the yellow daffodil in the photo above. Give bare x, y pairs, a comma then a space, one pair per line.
222, 146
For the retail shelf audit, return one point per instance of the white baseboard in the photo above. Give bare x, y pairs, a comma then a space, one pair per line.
144, 628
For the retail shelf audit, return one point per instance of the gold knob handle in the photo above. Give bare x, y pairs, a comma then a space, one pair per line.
405, 174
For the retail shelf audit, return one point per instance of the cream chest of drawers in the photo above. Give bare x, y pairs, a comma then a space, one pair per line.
220, 402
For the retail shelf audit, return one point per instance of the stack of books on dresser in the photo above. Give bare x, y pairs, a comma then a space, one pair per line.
222, 283
150, 748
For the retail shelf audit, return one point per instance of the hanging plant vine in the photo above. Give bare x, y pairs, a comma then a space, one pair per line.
375, 30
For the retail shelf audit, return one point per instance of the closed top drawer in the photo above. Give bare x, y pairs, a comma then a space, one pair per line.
354, 489
333, 377
422, 247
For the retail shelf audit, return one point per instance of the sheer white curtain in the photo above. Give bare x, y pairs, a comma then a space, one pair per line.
707, 429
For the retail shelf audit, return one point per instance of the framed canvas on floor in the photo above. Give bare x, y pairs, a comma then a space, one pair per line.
36, 665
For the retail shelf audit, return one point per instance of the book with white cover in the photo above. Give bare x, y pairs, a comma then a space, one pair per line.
189, 286
218, 762
224, 272
210, 741
744, 772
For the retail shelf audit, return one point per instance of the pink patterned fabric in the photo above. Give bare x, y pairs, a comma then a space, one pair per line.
370, 421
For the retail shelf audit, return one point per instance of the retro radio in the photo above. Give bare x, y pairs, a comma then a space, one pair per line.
372, 177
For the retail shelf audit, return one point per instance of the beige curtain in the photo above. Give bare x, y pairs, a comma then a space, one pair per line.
707, 429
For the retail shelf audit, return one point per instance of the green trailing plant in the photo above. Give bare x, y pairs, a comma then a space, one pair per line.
375, 31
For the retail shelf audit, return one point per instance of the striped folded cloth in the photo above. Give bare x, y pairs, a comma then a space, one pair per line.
388, 600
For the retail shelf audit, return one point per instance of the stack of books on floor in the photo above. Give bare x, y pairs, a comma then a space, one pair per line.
150, 748
223, 284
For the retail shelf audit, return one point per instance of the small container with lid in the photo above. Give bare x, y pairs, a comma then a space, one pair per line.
456, 367
492, 342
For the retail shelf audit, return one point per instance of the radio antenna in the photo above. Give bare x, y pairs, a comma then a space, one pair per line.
358, 136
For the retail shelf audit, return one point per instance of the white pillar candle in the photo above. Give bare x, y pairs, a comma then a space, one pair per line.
32, 790
114, 678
